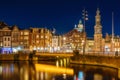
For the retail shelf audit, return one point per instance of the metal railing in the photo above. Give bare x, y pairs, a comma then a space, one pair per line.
102, 53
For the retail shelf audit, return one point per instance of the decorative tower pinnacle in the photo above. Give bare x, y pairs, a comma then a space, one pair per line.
80, 21
98, 27
98, 17
98, 32
98, 11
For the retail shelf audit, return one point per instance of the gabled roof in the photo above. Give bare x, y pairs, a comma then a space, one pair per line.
15, 27
70, 33
6, 28
2, 24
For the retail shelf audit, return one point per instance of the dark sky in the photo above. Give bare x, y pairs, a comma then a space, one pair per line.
59, 14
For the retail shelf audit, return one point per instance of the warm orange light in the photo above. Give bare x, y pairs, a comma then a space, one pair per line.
53, 69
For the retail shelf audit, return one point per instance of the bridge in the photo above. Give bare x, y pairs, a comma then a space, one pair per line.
111, 61
54, 54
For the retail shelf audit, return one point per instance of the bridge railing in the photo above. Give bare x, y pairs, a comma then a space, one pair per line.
102, 53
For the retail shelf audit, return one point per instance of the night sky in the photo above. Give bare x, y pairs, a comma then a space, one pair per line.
60, 14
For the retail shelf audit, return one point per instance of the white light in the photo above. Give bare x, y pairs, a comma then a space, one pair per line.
19, 48
34, 48
41, 48
64, 76
58, 48
64, 38
38, 48
14, 50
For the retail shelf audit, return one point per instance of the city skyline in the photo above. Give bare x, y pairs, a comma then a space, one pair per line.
62, 15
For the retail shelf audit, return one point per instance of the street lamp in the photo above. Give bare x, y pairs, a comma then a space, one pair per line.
85, 17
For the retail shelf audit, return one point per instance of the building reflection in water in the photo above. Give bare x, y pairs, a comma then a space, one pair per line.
87, 72
98, 77
59, 70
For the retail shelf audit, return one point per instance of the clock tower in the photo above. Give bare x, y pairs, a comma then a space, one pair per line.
98, 32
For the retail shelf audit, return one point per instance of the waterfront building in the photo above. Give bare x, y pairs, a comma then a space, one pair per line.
112, 46
15, 38
90, 45
117, 44
56, 43
24, 40
40, 39
74, 39
5, 40
2, 24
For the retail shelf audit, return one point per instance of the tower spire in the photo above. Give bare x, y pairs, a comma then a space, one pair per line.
98, 17
98, 32
80, 21
98, 11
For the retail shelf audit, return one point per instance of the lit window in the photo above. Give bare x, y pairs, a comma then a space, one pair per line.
118, 49
26, 38
21, 33
64, 38
115, 49
0, 44
41, 30
21, 42
45, 36
41, 36
37, 41
37, 36
26, 33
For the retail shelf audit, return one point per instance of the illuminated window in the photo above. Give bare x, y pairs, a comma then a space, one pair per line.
21, 43
21, 33
45, 36
115, 49
41, 30
64, 38
37, 41
26, 37
115, 44
118, 49
26, 33
37, 36
41, 36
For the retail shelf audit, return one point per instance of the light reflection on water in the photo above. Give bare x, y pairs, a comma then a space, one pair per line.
59, 70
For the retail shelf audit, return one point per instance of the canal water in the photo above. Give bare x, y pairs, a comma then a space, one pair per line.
54, 70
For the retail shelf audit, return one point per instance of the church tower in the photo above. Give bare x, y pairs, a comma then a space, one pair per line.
98, 32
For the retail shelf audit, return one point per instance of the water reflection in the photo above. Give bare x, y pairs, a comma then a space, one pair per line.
87, 72
59, 70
